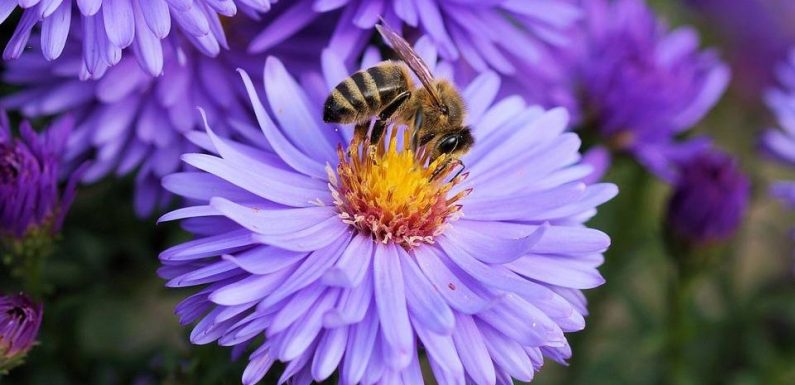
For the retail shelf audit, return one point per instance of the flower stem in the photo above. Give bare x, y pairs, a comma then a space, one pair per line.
679, 327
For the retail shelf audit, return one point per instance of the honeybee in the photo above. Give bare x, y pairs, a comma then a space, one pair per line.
435, 111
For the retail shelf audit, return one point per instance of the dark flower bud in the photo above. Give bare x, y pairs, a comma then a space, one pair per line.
20, 319
709, 200
29, 172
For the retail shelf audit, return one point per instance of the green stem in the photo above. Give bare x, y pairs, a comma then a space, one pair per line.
679, 296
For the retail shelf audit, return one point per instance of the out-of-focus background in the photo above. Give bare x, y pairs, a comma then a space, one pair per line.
111, 319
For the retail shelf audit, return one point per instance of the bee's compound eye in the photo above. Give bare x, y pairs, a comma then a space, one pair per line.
448, 144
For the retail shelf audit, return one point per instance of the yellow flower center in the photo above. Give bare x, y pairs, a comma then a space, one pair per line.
395, 195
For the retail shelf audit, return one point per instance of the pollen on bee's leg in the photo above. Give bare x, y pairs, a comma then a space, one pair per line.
393, 194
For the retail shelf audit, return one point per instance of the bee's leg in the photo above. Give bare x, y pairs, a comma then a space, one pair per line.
386, 114
360, 131
446, 165
378, 131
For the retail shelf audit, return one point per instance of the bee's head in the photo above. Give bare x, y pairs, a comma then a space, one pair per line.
455, 143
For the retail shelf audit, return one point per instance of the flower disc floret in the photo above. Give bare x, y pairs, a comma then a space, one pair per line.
394, 194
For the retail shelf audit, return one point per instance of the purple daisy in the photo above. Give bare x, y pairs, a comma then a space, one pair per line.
709, 199
639, 85
20, 319
30, 167
106, 27
780, 143
129, 120
499, 35
355, 258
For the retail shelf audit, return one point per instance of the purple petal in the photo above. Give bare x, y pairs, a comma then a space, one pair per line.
295, 307
426, 304
89, 7
390, 298
329, 353
193, 21
559, 270
270, 188
353, 264
442, 351
328, 5
352, 306
207, 247
472, 349
55, 29
309, 271
358, 352
258, 366
202, 186
572, 240
304, 332
286, 151
479, 94
272, 222
458, 295
309, 239
250, 289
148, 50
265, 259
157, 17
492, 249
119, 22
507, 354
21, 34
284, 26
297, 113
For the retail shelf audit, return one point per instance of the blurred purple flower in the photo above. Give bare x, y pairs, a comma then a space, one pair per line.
757, 35
129, 119
106, 27
29, 175
289, 244
639, 85
499, 35
709, 200
780, 143
20, 319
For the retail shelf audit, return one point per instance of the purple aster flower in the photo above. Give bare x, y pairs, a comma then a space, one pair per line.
638, 85
106, 27
709, 199
129, 120
354, 258
20, 319
30, 167
780, 143
499, 35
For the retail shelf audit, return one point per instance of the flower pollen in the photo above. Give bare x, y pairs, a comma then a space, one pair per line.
395, 194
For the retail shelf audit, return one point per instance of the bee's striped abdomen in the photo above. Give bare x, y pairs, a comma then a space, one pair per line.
365, 93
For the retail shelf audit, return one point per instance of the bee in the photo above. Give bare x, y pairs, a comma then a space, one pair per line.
435, 111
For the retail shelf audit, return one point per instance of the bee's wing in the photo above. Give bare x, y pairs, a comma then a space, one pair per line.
407, 54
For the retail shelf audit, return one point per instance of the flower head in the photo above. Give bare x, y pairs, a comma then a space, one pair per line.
129, 120
20, 319
780, 143
390, 194
30, 168
107, 27
352, 257
709, 200
638, 85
